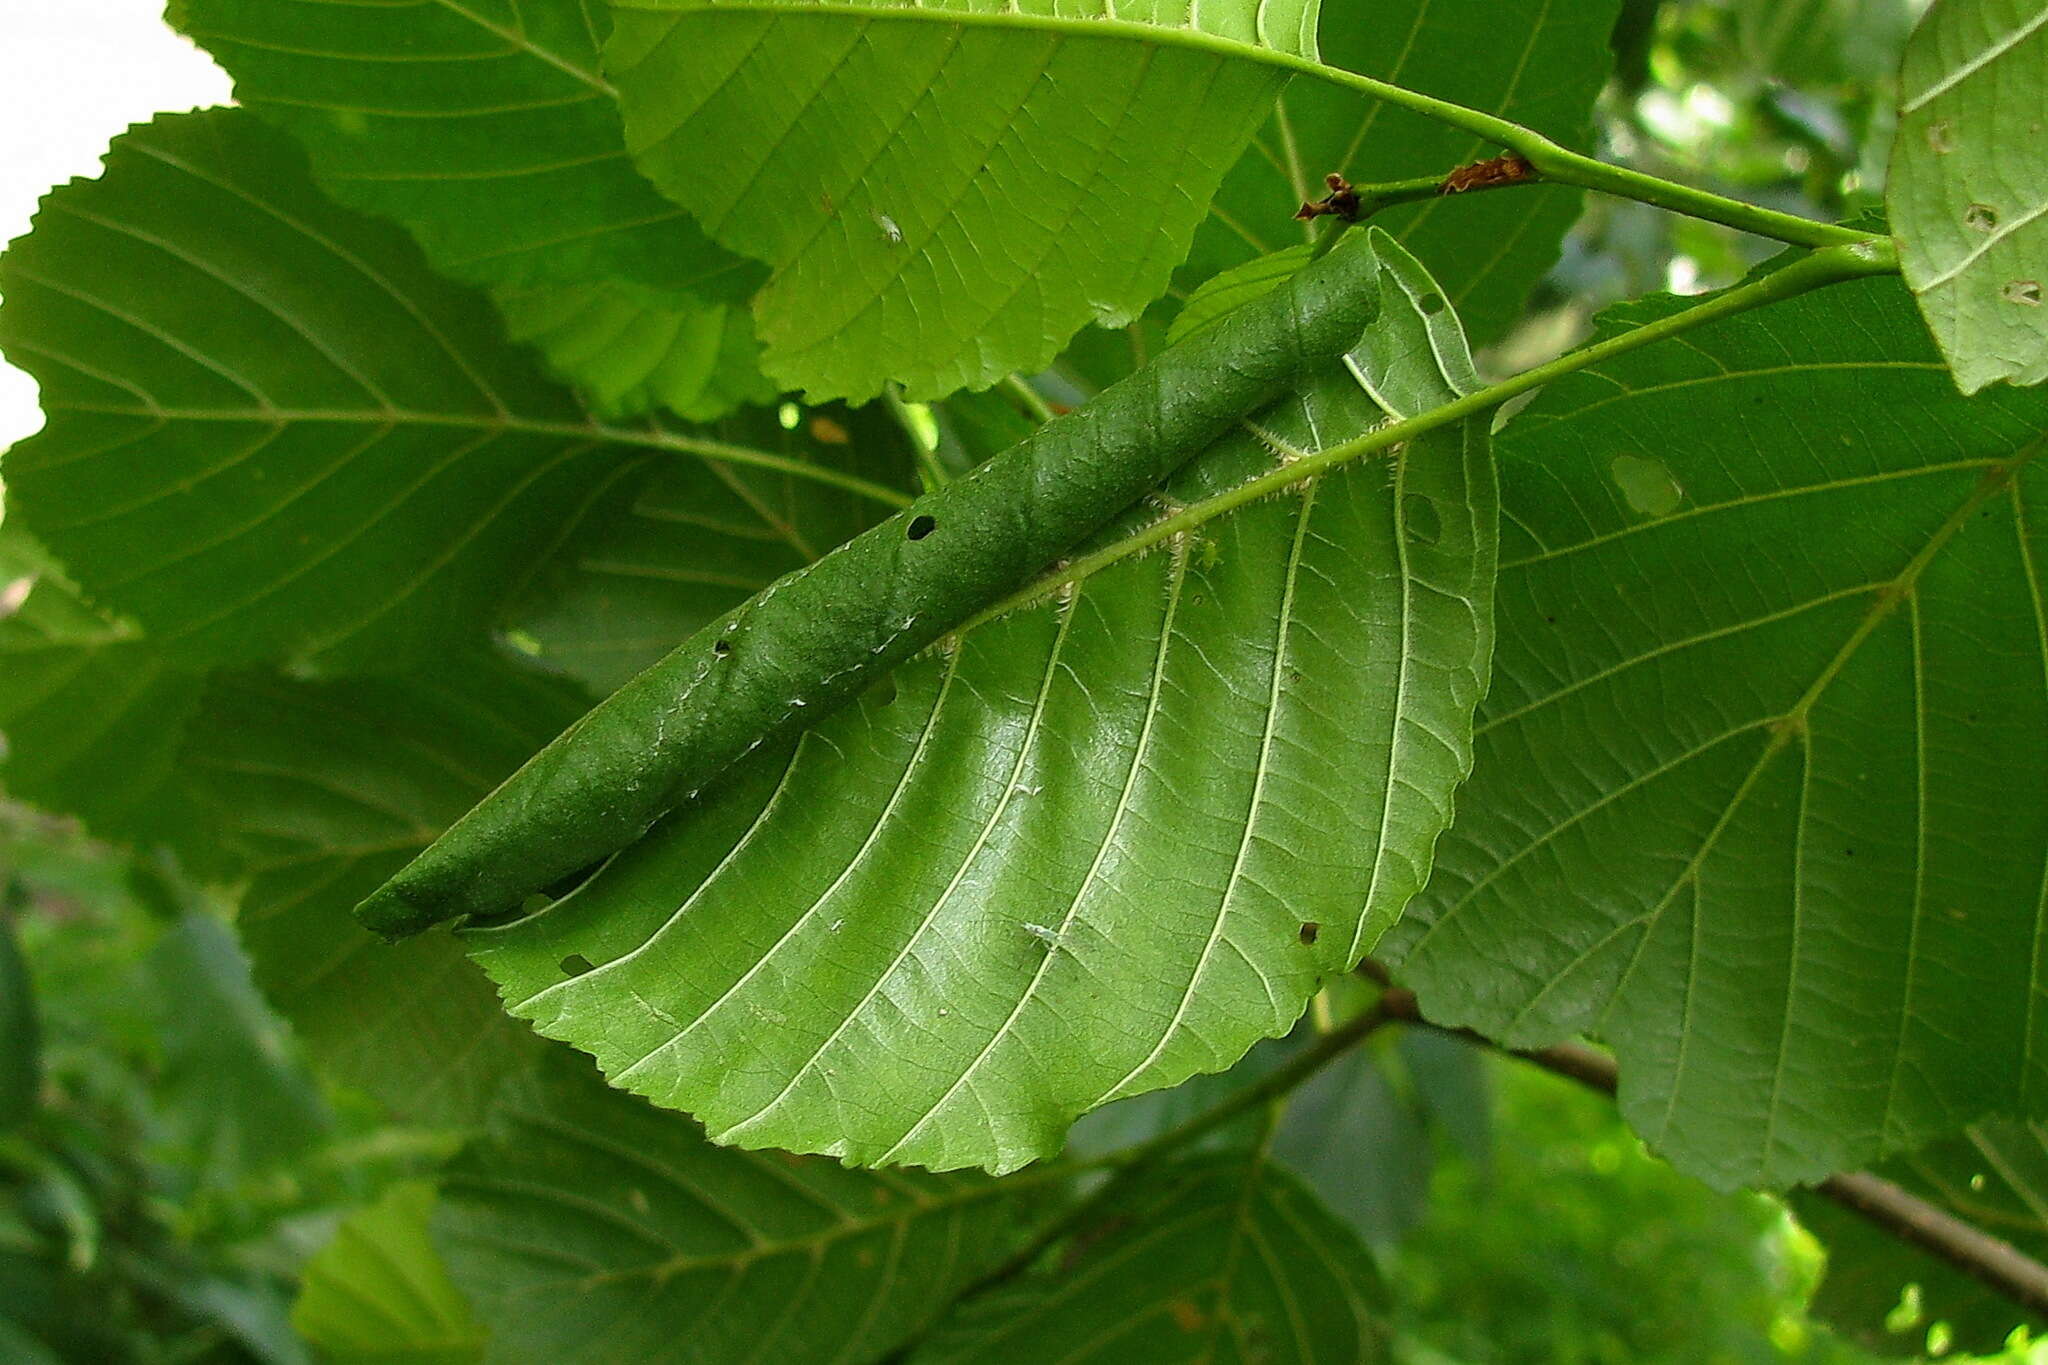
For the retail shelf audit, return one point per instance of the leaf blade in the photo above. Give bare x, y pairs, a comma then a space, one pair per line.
652, 1235
1064, 837
1771, 651
919, 232
1967, 199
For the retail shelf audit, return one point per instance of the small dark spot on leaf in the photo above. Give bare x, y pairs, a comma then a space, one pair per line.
1187, 1316
1982, 217
1310, 931
722, 648
1431, 304
921, 526
575, 964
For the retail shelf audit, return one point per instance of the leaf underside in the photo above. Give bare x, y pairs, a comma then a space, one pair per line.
945, 192
588, 1227
1968, 190
488, 130
445, 116
1090, 848
700, 537
1220, 1258
273, 431
378, 1295
92, 718
318, 791
1763, 771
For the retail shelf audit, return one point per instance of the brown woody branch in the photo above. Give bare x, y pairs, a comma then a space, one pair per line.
1991, 1261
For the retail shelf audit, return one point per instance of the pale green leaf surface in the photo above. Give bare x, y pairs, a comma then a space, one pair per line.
1760, 782
700, 537
946, 192
485, 126
320, 790
587, 1226
1968, 191
273, 432
1223, 1258
1069, 856
1540, 63
90, 716
1995, 1177
630, 351
378, 1294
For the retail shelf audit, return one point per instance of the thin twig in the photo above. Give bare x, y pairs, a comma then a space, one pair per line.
1991, 1261
1134, 1160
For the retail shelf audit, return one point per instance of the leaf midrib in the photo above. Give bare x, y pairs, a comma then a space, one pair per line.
1125, 30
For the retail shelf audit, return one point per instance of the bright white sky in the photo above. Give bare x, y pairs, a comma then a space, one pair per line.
73, 73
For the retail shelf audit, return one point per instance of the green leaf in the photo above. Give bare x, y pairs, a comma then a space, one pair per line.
946, 192
378, 1293
21, 1034
1996, 1177
1085, 849
1220, 1258
587, 1226
234, 1097
630, 351
91, 716
320, 790
1968, 191
485, 127
273, 432
488, 130
815, 640
1762, 794
699, 538
1535, 62
1233, 288
1362, 1133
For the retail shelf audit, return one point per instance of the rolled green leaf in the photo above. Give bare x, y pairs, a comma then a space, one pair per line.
815, 639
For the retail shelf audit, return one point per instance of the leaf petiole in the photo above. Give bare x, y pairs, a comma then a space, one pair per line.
1864, 257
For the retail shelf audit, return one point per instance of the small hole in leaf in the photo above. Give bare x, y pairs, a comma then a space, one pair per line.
2027, 292
721, 648
1431, 304
575, 964
1982, 217
1646, 485
1425, 523
921, 526
1941, 138
1310, 931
